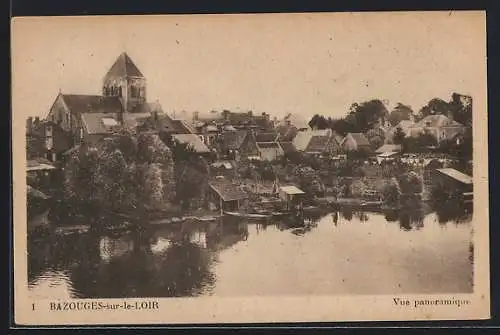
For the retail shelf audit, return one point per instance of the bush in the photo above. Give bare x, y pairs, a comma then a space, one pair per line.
410, 183
391, 192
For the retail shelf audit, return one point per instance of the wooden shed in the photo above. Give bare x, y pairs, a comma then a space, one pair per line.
292, 197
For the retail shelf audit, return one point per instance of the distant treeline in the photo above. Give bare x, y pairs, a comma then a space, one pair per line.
365, 116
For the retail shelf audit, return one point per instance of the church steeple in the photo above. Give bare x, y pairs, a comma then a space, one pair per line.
125, 80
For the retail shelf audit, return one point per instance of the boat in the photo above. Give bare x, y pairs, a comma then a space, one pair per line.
236, 214
70, 230
279, 214
258, 216
248, 215
207, 218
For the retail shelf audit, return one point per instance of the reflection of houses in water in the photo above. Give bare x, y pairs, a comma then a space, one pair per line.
226, 233
110, 248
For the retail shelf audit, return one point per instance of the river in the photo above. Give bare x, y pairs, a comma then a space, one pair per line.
340, 253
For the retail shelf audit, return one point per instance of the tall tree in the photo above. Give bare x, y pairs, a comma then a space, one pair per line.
399, 113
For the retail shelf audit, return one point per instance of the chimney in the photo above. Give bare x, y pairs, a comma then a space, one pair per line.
36, 123
29, 125
196, 116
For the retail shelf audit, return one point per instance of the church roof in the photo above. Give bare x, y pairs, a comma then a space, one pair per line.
84, 103
124, 66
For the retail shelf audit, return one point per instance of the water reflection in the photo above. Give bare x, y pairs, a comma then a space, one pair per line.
234, 257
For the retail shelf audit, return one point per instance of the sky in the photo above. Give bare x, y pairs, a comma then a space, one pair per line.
275, 63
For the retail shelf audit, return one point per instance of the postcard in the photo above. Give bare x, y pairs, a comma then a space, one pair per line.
249, 168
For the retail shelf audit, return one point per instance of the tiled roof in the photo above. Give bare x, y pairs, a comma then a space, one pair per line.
192, 140
228, 191
266, 137
437, 121
84, 103
291, 190
302, 139
124, 66
233, 139
360, 139
389, 148
93, 122
317, 143
268, 145
181, 127
457, 175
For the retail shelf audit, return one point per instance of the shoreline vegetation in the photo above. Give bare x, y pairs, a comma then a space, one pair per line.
140, 176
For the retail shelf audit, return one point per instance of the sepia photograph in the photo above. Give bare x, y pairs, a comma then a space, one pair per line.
197, 158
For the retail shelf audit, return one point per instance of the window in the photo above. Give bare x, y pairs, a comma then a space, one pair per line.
49, 143
48, 131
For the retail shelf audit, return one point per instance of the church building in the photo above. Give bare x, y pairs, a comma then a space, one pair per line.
89, 118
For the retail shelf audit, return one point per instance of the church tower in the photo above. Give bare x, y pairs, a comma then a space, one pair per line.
126, 81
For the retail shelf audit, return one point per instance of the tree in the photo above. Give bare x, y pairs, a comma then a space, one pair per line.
391, 192
367, 114
121, 173
398, 136
376, 137
461, 108
410, 183
399, 113
435, 106
318, 122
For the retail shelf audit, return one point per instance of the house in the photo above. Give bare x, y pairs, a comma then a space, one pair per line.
404, 125
225, 196
89, 118
268, 146
353, 142
194, 142
302, 138
440, 126
209, 133
248, 120
292, 197
40, 173
324, 144
448, 178
46, 139
239, 144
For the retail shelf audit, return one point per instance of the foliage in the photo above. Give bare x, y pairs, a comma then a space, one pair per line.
421, 143
410, 183
376, 137
459, 108
391, 192
399, 136
122, 172
399, 113
360, 118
